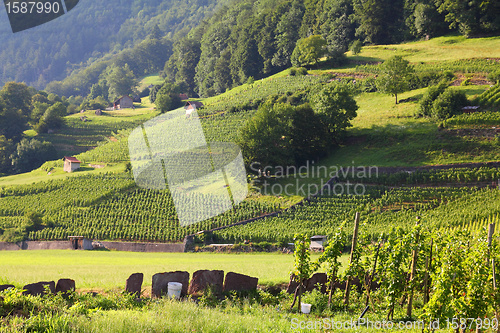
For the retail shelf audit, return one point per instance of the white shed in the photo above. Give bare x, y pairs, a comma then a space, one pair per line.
318, 242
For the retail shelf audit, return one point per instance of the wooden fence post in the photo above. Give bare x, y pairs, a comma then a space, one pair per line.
353, 248
412, 275
428, 266
491, 231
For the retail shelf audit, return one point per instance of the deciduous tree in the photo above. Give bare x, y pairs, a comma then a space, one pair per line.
395, 76
309, 50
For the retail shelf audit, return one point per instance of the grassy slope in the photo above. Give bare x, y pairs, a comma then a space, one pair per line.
377, 113
437, 49
110, 269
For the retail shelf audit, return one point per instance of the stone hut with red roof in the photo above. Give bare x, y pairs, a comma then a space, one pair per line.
71, 164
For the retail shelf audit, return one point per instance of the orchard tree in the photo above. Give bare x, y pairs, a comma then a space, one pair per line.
395, 76
308, 50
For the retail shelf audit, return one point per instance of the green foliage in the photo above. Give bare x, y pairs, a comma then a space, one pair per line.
489, 98
181, 67
395, 75
431, 94
379, 20
17, 96
121, 81
423, 79
356, 47
53, 118
381, 209
449, 103
308, 50
427, 21
88, 39
30, 154
494, 76
434, 177
167, 98
461, 276
6, 149
282, 134
93, 104
471, 18
266, 138
336, 107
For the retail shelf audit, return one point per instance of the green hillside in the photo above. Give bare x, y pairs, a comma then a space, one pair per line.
92, 31
383, 134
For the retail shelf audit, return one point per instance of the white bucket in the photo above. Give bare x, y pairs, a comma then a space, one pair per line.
174, 290
305, 308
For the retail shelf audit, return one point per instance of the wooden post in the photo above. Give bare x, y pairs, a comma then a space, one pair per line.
428, 265
497, 314
412, 275
370, 280
353, 248
491, 231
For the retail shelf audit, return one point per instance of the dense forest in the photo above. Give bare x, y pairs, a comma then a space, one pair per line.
92, 31
253, 39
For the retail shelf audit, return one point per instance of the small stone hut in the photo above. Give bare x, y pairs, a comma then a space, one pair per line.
71, 164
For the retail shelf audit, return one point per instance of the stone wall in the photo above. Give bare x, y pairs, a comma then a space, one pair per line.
144, 247
119, 246
36, 245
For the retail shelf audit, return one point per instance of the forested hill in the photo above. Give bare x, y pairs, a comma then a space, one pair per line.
258, 38
252, 39
91, 30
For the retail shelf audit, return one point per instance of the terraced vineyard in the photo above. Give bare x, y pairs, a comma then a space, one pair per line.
429, 176
249, 95
139, 215
381, 210
490, 98
107, 206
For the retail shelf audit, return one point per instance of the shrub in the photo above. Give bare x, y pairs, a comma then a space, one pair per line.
369, 85
494, 76
449, 103
318, 300
356, 47
292, 71
426, 103
428, 78
301, 71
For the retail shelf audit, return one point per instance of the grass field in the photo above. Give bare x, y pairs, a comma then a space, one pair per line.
110, 269
435, 50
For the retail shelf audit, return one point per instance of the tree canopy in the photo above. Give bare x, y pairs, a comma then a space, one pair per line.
309, 50
396, 73
121, 81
